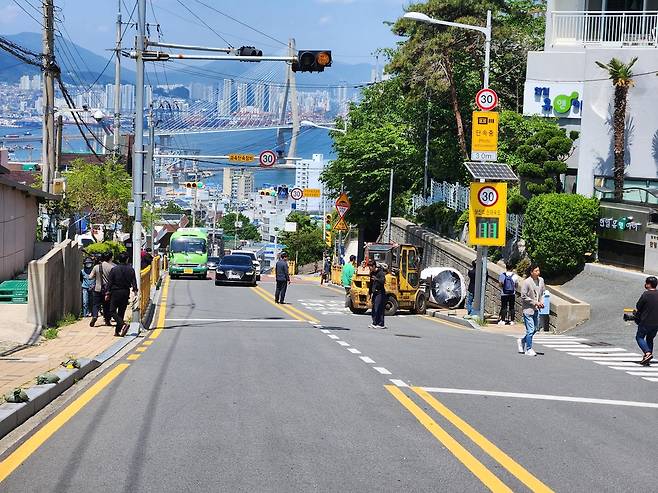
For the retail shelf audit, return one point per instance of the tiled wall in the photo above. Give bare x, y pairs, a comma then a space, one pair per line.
18, 219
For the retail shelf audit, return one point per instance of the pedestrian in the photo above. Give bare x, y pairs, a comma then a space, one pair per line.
100, 275
378, 293
120, 281
146, 258
532, 296
87, 284
646, 318
470, 290
346, 275
282, 279
507, 281
326, 271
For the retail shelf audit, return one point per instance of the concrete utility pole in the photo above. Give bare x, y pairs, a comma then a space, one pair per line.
138, 159
48, 134
390, 207
117, 86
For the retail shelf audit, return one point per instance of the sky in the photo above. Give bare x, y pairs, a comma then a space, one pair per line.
352, 29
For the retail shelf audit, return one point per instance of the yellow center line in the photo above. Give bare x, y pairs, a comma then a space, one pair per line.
489, 479
445, 322
291, 310
141, 349
147, 343
498, 455
133, 357
21, 454
162, 311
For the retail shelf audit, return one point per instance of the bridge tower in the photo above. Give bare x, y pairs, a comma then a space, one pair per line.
289, 94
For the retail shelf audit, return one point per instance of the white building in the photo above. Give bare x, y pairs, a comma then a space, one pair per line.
564, 81
307, 175
24, 84
269, 212
238, 185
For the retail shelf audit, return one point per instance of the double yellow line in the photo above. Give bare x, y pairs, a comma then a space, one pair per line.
287, 309
488, 478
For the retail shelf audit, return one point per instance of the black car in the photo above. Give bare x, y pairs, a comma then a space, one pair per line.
235, 269
212, 262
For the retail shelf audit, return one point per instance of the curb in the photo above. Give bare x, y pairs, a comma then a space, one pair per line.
12, 415
451, 318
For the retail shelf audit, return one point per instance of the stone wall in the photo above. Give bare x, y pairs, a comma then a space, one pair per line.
54, 285
566, 312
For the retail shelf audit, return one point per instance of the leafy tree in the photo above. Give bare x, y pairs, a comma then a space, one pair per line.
438, 217
102, 191
621, 75
559, 230
172, 207
247, 232
536, 148
306, 243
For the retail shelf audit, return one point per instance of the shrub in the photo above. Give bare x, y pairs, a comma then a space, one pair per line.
559, 229
439, 217
106, 246
462, 220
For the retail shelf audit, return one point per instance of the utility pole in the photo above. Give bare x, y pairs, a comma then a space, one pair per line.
427, 154
58, 148
390, 207
48, 137
138, 158
117, 85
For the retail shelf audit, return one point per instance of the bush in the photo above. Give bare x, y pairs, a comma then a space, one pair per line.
559, 229
439, 217
106, 246
462, 220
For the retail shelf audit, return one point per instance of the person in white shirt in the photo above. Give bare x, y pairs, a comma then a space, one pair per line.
532, 296
507, 281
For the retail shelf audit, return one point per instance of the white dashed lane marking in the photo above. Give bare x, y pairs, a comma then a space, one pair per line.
354, 350
366, 359
382, 370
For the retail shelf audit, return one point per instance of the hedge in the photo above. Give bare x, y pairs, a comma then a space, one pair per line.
559, 229
106, 246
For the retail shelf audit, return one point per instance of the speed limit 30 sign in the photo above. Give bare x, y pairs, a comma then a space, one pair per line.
267, 159
487, 218
486, 99
488, 196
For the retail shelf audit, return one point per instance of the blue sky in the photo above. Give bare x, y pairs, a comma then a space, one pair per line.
353, 29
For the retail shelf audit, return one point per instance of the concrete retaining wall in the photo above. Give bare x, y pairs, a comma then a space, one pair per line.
54, 285
566, 312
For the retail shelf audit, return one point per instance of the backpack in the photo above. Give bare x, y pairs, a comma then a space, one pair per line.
509, 287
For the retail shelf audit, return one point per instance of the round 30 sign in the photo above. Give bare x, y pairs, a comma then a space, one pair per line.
296, 193
267, 159
488, 196
486, 99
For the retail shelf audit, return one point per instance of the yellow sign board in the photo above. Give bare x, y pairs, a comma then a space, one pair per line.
485, 131
487, 218
241, 158
312, 192
341, 225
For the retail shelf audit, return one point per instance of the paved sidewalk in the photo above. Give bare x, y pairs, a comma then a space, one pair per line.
77, 340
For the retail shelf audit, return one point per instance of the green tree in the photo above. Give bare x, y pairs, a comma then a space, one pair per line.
101, 191
306, 243
172, 207
246, 232
621, 75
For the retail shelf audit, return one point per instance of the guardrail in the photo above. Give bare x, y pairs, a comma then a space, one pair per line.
605, 28
148, 278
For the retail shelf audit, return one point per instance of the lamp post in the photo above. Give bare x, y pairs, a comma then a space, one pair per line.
481, 266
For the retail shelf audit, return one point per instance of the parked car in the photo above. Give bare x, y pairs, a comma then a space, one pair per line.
235, 269
252, 256
212, 262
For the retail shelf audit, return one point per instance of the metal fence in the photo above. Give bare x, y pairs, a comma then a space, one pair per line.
605, 28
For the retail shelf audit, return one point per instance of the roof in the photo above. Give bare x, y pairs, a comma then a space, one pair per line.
5, 180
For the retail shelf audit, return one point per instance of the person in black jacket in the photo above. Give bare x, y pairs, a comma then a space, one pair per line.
120, 280
282, 274
646, 317
378, 293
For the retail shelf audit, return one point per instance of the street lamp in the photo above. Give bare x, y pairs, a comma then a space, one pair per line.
420, 17
309, 123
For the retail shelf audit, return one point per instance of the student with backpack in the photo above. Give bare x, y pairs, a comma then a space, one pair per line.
507, 281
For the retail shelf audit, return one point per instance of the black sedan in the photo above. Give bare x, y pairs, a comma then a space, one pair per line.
235, 269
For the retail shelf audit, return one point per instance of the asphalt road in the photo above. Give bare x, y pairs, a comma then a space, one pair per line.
234, 393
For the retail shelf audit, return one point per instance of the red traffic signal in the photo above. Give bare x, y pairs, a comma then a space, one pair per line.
312, 61
191, 184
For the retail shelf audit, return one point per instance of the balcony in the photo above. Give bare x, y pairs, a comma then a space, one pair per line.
606, 29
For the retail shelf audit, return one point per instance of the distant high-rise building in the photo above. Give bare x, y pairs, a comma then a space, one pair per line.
24, 84
259, 97
128, 97
342, 98
225, 106
35, 83
238, 184
241, 88
307, 175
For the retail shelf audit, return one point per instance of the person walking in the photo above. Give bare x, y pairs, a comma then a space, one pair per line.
507, 281
88, 285
326, 271
470, 290
646, 318
282, 279
532, 296
120, 281
346, 275
378, 293
100, 274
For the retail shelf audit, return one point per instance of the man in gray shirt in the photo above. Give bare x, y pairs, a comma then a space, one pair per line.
282, 278
532, 297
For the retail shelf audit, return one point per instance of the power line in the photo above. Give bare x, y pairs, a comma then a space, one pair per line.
27, 13
204, 23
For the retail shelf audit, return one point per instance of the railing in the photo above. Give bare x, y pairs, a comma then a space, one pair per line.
638, 29
145, 289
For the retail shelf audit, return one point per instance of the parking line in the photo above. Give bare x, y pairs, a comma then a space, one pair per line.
492, 450
489, 479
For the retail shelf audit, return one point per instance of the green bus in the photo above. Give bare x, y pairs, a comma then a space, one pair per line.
188, 253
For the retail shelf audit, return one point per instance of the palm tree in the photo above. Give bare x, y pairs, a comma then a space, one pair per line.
622, 79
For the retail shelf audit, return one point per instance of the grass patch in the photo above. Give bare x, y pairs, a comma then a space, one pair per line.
68, 319
50, 333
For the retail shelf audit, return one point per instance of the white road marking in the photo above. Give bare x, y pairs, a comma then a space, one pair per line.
650, 379
366, 359
612, 359
625, 364
587, 349
557, 338
566, 344
332, 336
325, 331
354, 350
543, 397
643, 374
643, 369
343, 343
382, 370
399, 383
255, 320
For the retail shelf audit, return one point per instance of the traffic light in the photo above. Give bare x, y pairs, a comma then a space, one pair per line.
249, 51
327, 226
312, 61
191, 184
329, 239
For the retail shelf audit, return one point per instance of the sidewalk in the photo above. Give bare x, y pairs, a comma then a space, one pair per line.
77, 340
